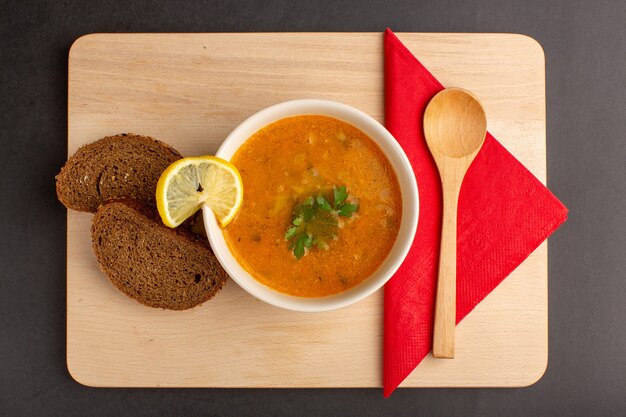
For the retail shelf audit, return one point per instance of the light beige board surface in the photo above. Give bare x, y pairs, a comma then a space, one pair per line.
191, 90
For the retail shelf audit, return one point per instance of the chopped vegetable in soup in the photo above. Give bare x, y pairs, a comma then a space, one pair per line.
321, 210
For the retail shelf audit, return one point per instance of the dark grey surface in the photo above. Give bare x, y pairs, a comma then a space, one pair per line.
585, 46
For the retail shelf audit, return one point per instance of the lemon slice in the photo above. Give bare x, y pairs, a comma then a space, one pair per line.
189, 183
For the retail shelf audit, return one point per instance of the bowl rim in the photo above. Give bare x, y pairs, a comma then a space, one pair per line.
396, 158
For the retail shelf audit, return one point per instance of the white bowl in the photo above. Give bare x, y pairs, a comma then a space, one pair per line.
408, 189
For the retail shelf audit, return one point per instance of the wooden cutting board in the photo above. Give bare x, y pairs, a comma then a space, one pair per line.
191, 90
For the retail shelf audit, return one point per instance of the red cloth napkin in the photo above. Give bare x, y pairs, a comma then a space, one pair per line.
504, 214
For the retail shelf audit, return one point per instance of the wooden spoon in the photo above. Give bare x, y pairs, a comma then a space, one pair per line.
455, 127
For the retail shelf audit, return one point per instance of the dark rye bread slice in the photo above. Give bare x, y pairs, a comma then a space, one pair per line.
157, 266
125, 165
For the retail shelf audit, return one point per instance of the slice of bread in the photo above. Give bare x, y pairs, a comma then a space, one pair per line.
157, 266
125, 165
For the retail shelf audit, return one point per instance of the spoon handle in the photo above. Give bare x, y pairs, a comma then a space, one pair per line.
445, 307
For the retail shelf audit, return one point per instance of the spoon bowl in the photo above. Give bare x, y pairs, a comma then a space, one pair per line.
455, 127
454, 123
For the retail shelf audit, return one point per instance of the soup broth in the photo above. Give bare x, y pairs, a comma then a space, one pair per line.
290, 161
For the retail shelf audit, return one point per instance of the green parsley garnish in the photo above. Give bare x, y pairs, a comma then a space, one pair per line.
315, 221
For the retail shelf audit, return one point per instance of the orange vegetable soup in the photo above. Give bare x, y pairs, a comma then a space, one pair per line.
321, 210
